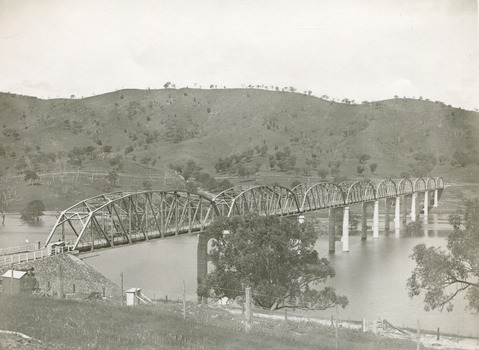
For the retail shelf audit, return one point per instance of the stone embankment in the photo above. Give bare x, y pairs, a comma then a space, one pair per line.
79, 280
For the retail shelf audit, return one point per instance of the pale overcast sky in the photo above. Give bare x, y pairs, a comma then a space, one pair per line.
359, 49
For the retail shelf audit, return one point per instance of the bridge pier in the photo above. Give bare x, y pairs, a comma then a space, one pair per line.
364, 221
376, 219
397, 213
202, 255
332, 230
435, 198
404, 210
413, 207
426, 203
387, 212
345, 229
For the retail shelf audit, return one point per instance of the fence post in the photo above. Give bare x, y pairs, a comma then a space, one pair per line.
184, 300
337, 326
248, 323
286, 315
11, 281
418, 345
121, 285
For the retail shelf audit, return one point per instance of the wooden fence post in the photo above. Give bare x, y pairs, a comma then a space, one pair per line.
248, 313
184, 300
418, 345
121, 285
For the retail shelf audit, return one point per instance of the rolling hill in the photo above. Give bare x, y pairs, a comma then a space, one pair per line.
262, 136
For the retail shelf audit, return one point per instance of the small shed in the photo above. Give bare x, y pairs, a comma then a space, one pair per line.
17, 282
133, 296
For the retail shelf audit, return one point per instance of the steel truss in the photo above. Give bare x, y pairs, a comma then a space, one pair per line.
118, 218
126, 217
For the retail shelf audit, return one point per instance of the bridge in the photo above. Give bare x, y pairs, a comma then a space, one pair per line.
119, 218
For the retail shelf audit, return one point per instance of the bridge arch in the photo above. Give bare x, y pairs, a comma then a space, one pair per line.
265, 200
321, 196
430, 184
359, 191
439, 183
125, 217
385, 188
405, 186
224, 199
419, 185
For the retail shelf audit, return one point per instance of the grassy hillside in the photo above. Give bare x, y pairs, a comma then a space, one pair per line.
67, 324
141, 132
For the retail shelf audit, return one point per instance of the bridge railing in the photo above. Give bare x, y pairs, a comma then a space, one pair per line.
18, 249
30, 256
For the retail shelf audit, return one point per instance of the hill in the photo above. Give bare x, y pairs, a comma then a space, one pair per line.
147, 136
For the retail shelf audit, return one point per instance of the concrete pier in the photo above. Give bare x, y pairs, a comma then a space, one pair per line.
376, 219
345, 229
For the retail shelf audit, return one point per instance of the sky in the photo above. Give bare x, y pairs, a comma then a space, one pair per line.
356, 49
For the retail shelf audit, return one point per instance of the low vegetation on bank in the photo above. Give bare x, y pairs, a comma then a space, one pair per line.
69, 324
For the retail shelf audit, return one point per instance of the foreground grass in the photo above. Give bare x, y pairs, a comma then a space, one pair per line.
68, 324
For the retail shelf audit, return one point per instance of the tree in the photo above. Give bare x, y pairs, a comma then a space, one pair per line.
322, 173
364, 158
359, 169
112, 177
373, 167
30, 175
107, 148
273, 256
33, 211
442, 274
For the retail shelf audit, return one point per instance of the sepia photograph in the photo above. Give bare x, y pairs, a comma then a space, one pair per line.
180, 174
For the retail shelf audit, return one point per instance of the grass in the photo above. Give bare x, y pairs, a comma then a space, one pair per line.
68, 324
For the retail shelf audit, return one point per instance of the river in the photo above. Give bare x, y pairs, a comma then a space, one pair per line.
372, 274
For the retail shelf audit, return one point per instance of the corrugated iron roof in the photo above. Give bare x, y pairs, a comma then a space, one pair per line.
16, 274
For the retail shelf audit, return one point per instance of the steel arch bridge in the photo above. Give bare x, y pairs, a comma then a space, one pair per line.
119, 218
